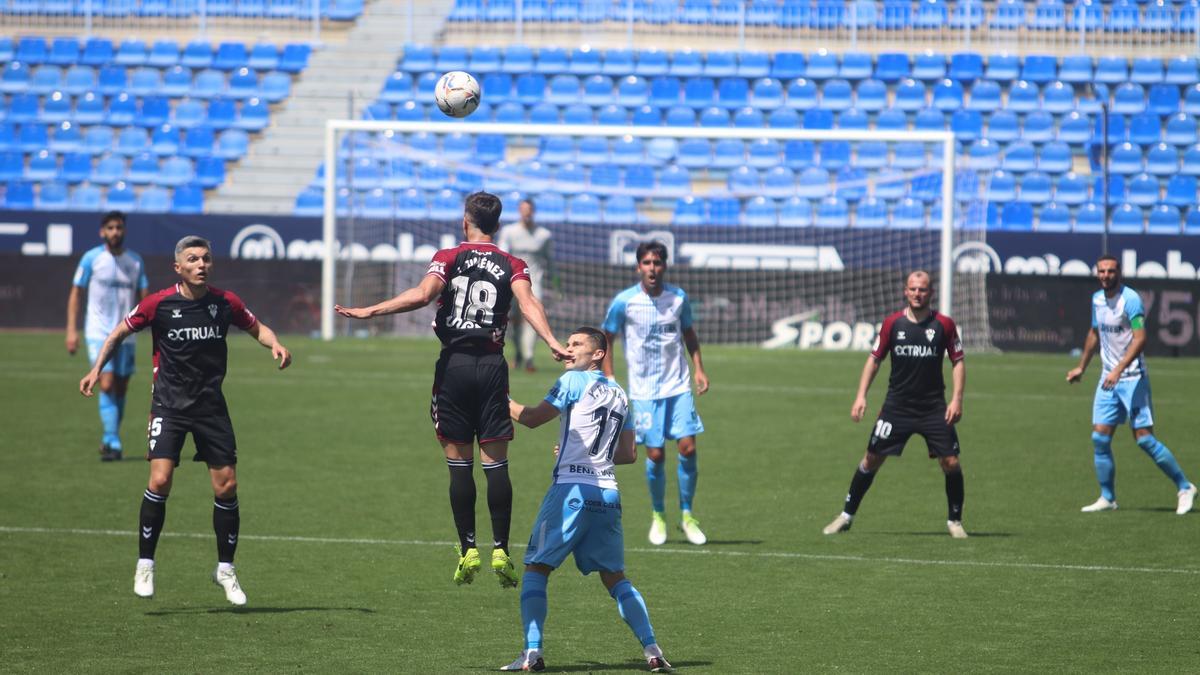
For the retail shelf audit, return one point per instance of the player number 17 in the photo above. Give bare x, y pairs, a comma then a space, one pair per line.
610, 423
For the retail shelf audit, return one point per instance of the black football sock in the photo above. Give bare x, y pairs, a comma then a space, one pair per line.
499, 498
462, 501
151, 518
954, 495
226, 521
859, 484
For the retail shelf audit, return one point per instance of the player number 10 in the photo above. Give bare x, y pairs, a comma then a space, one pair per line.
883, 429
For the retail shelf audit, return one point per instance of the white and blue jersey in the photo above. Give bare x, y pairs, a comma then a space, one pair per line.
653, 329
113, 284
1113, 319
594, 411
581, 513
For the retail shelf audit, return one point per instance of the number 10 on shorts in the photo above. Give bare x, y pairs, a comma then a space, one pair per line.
882, 429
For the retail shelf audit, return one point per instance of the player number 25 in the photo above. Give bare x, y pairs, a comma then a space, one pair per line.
474, 301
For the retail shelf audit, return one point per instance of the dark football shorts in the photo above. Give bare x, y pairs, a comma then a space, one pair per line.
212, 434
895, 425
470, 398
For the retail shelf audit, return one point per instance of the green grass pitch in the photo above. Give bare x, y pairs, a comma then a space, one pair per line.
346, 530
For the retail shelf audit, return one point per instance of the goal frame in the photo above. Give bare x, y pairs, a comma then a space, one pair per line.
334, 127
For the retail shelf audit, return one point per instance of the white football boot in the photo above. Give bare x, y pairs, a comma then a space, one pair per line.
956, 529
1101, 504
1186, 499
227, 579
655, 659
840, 524
530, 661
143, 579
658, 529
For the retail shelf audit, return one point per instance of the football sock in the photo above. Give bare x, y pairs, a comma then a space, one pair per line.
462, 501
499, 497
656, 476
687, 481
226, 521
633, 610
954, 495
859, 484
533, 608
151, 518
1164, 459
110, 419
1106, 470
120, 409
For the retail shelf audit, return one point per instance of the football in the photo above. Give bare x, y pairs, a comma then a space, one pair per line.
457, 94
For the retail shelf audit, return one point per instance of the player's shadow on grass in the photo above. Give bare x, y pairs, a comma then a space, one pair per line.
596, 666
1152, 509
255, 610
734, 542
940, 533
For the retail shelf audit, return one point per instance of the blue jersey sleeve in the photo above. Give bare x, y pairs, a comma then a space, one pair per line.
142, 283
1133, 304
567, 390
83, 273
685, 312
614, 321
1095, 322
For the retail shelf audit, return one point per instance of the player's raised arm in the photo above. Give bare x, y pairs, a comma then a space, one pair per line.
532, 417
1090, 344
118, 335
267, 338
414, 298
692, 342
535, 314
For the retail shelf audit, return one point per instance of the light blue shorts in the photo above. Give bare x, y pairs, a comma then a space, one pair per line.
1130, 399
663, 419
580, 519
121, 363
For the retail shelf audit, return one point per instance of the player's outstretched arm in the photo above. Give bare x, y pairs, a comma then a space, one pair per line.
955, 407
532, 417
607, 364
267, 338
88, 383
626, 448
1089, 348
414, 298
692, 342
870, 368
535, 314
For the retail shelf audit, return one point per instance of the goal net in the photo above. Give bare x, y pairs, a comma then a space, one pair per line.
781, 237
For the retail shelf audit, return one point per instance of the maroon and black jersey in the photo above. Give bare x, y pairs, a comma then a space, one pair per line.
189, 347
472, 311
917, 349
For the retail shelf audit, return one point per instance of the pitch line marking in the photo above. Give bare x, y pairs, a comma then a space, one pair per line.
659, 551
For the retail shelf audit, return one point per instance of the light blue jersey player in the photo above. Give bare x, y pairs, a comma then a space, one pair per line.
655, 319
1118, 328
115, 281
581, 514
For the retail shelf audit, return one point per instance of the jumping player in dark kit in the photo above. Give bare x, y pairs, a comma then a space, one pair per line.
190, 322
917, 338
474, 284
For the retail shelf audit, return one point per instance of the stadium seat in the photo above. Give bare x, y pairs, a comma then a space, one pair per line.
1191, 223
723, 210
822, 65
1001, 187
1090, 217
714, 118
929, 119
1003, 67
1125, 159
718, 64
1003, 126
1164, 219
871, 213
1129, 99
1142, 190
1163, 99
1023, 97
892, 67
1054, 217
1127, 219
1071, 189
818, 118
617, 62
795, 212
1038, 127
1162, 160
760, 212
929, 66
1123, 16
801, 94
1181, 191
1017, 216
965, 67
836, 95
451, 57
948, 95
909, 95
688, 211
871, 96
985, 96
892, 119
651, 63
855, 66
734, 92
699, 92
832, 212
813, 183
798, 154
909, 214
230, 56
45, 80
728, 153
1019, 157
1058, 97
113, 80
967, 125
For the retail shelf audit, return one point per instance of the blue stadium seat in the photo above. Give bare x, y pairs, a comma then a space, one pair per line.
1182, 70
1036, 188
801, 94
699, 92
795, 212
196, 55
1191, 100
651, 63
822, 65
1003, 126
714, 117
547, 113
1127, 219
836, 95
834, 155
639, 177
1001, 187
674, 181
1162, 160
733, 92
1125, 159
931, 15
451, 57
909, 214
929, 66
517, 60
985, 96
1076, 69
163, 54
1048, 15
948, 95
108, 170
720, 64
1017, 217
832, 212
1019, 157
1023, 97
788, 65
617, 62
80, 79
909, 95
24, 109
748, 117
1071, 189
1074, 128
853, 119
43, 165
1142, 190
688, 211
222, 112
1181, 190
67, 138
760, 212
665, 91
687, 63
871, 213
230, 56
930, 119
1147, 71
855, 66
45, 80
618, 210
19, 196
892, 67
871, 96
892, 119
767, 94
1003, 67
1088, 15
153, 111
744, 181
1054, 217
154, 199
1129, 99
132, 52
1123, 16
1008, 15
1112, 70
584, 209
64, 51
1164, 219
965, 67
531, 88
1055, 158
1058, 97
818, 118
97, 52
1164, 99
1038, 127
564, 89
967, 125
165, 140
1191, 223
32, 50
243, 83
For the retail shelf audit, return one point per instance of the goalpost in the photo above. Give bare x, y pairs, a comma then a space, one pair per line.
832, 266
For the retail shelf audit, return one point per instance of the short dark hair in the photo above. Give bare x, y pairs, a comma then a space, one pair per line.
112, 215
191, 241
599, 341
1109, 256
655, 247
529, 201
483, 211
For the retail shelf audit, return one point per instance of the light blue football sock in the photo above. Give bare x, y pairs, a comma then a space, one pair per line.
110, 419
633, 610
1164, 459
533, 608
1106, 471
687, 481
656, 477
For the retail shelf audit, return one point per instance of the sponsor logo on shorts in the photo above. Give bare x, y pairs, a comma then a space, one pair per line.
574, 503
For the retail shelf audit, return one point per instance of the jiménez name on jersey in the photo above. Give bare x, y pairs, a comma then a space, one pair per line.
485, 264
